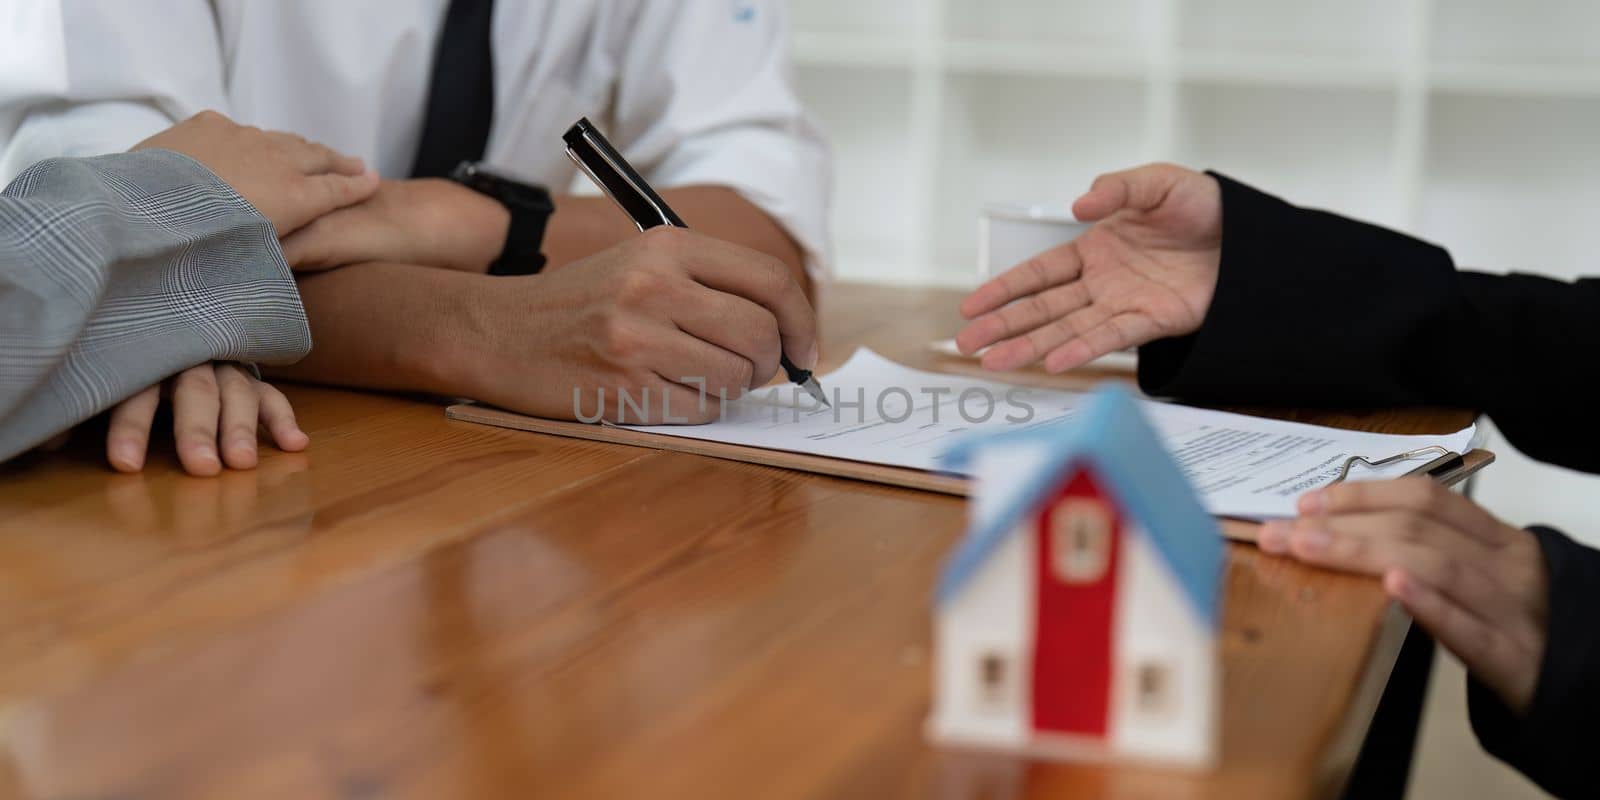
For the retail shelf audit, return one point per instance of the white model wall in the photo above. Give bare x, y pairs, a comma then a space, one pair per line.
1155, 623
994, 613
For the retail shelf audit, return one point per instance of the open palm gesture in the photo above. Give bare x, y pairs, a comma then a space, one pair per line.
1145, 271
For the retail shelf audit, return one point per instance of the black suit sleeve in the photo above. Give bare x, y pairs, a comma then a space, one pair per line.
1553, 743
1313, 309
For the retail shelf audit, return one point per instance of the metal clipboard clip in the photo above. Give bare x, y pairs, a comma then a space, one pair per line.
1446, 462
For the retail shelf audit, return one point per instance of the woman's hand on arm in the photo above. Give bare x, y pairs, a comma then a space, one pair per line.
289, 180
1147, 270
216, 408
430, 222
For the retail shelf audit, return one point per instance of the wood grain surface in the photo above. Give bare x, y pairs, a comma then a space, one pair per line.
419, 607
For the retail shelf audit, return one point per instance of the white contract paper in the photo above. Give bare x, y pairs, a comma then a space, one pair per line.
885, 413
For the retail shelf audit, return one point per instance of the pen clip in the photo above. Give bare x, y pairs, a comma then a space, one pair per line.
612, 173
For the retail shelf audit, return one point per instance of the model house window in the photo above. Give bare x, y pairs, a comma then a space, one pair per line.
994, 679
1154, 693
1080, 540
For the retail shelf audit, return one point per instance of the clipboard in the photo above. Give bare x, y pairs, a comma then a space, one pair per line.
1448, 468
942, 483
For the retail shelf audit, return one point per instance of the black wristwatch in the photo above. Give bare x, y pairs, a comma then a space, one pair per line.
530, 207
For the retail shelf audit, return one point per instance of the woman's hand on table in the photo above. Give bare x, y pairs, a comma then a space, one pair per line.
216, 408
1478, 585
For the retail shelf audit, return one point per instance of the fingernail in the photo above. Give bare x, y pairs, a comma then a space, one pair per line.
127, 455
1273, 536
241, 443
1313, 541
1396, 585
1312, 502
810, 360
127, 452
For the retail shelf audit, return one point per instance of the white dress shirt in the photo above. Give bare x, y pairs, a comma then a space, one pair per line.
691, 91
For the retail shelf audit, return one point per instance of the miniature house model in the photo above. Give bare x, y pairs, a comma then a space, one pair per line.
1077, 618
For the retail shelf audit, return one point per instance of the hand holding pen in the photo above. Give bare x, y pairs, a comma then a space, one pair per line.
614, 175
670, 319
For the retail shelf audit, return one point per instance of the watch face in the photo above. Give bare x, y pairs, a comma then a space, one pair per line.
485, 172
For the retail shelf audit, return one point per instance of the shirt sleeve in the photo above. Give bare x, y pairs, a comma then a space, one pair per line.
1553, 741
117, 79
704, 96
119, 271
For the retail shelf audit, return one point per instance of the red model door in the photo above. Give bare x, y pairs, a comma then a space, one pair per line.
1078, 539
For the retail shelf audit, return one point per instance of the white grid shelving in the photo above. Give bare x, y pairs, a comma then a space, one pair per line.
1422, 114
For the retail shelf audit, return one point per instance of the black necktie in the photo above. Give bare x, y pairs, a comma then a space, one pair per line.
455, 127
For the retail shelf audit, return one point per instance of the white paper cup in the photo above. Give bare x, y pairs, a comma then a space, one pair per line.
1009, 234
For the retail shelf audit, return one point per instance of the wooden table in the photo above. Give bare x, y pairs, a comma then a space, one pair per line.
423, 608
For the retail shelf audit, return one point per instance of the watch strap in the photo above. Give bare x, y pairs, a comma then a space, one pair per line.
529, 207
523, 253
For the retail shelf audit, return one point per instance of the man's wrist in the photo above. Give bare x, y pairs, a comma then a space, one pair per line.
529, 206
473, 228
583, 226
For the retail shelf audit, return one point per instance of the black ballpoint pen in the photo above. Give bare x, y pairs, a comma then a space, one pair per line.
628, 189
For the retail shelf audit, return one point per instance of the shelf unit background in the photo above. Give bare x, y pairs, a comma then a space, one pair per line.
1472, 123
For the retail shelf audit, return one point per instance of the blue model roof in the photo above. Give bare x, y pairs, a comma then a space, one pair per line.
1111, 433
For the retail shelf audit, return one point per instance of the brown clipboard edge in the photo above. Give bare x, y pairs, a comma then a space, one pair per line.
1236, 529
821, 465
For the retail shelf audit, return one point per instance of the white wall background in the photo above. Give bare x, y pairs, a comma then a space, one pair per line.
1473, 123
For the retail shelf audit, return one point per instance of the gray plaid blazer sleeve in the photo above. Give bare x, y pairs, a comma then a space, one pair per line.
119, 271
